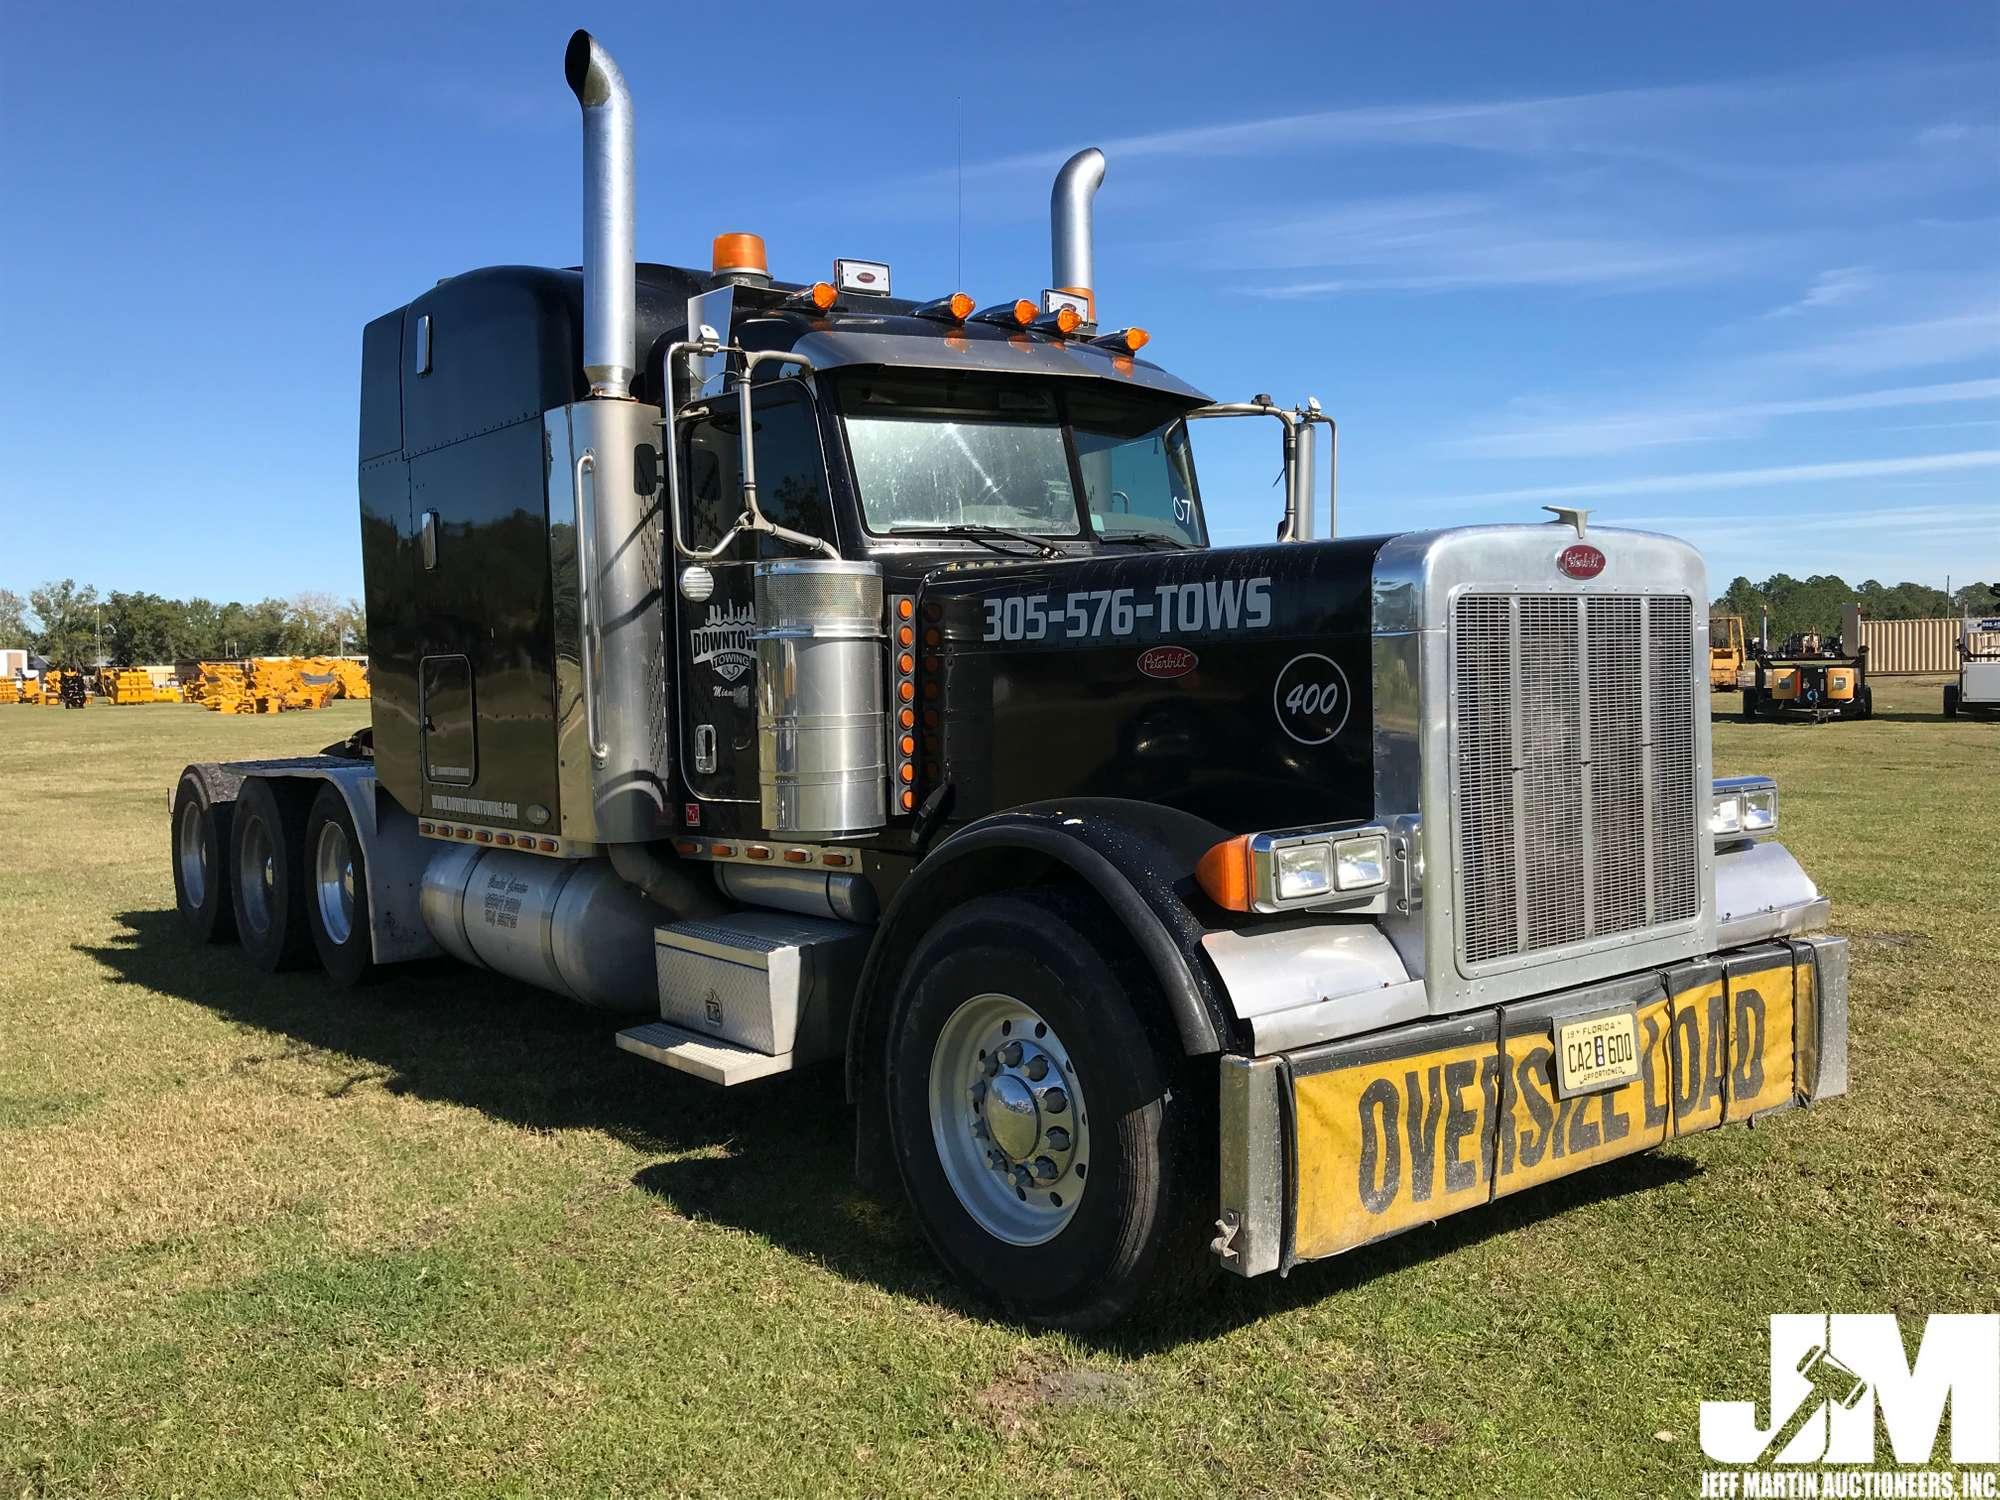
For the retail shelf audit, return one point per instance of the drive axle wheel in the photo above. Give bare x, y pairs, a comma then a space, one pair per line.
201, 845
270, 914
337, 890
1049, 1155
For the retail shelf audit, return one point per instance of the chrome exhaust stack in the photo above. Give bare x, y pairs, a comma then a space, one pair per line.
608, 290
1070, 268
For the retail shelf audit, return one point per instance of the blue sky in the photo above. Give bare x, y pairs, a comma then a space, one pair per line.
1730, 271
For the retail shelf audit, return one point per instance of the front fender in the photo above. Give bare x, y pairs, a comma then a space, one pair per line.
1131, 854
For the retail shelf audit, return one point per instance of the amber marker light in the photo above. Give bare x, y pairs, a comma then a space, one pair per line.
819, 296
1124, 341
1008, 314
1224, 872
953, 309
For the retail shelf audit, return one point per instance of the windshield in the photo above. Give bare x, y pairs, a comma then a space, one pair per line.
936, 451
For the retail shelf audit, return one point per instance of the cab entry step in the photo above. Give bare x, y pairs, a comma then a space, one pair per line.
722, 1063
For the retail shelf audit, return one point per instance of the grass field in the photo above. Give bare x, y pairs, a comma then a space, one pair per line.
261, 1238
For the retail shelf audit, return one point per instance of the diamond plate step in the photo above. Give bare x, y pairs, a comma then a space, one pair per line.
712, 1061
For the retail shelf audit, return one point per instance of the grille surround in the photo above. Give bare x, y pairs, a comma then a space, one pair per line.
1573, 776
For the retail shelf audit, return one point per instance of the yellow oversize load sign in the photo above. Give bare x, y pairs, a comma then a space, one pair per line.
1422, 1121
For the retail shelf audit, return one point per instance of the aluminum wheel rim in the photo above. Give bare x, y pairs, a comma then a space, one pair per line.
333, 878
258, 877
191, 849
1008, 1120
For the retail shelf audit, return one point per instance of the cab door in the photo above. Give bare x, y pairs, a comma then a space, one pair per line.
717, 659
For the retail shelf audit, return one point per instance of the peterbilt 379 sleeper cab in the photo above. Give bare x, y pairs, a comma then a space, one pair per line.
834, 676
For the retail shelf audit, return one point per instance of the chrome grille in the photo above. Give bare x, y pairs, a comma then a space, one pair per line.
1574, 769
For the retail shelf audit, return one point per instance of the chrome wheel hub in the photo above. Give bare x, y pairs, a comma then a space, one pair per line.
259, 876
191, 849
333, 882
1008, 1120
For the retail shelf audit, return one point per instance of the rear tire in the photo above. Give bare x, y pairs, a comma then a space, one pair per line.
1867, 703
335, 890
265, 861
1749, 703
201, 846
1047, 1156
1951, 700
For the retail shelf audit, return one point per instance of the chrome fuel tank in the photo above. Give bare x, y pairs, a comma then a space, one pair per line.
570, 926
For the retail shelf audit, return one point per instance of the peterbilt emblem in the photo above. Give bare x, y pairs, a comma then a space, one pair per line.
723, 641
1580, 560
1167, 662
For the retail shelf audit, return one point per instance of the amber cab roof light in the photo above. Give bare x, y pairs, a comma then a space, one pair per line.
739, 254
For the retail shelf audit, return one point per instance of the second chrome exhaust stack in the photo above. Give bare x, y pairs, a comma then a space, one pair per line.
1070, 268
608, 291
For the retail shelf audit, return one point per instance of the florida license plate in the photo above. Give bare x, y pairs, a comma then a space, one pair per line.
1596, 1052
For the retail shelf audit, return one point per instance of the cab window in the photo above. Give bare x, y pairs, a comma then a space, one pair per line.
791, 469
1138, 469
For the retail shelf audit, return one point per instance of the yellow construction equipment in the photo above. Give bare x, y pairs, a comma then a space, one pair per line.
133, 685
352, 678
1725, 652
10, 690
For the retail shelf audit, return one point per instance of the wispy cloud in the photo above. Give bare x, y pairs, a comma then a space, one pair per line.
1445, 242
1613, 432
1739, 479
1828, 289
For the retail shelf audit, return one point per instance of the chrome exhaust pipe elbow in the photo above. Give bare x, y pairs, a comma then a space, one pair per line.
1070, 268
609, 321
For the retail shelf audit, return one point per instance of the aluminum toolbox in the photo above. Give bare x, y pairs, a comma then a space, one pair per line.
771, 981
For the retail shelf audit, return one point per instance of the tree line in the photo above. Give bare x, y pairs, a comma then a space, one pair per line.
72, 624
1816, 603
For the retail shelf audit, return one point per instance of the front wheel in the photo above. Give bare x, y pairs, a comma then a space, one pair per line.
1046, 1154
1950, 701
1749, 703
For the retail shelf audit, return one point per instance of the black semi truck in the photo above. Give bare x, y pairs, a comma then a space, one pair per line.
826, 675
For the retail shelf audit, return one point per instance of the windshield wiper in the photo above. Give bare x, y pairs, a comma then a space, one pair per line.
1146, 539
979, 531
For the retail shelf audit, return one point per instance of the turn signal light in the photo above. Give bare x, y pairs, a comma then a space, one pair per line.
1224, 872
819, 296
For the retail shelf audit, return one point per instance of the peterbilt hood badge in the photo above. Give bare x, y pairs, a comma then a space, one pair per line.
1580, 560
1167, 662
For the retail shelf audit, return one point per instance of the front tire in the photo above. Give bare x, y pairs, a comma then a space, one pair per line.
265, 891
202, 827
1951, 700
1046, 1155
1749, 703
336, 890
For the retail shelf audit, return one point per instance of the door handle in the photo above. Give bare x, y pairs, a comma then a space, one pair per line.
427, 540
704, 748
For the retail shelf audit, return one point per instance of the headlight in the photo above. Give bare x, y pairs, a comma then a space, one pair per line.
1361, 864
1297, 868
1743, 807
1305, 870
